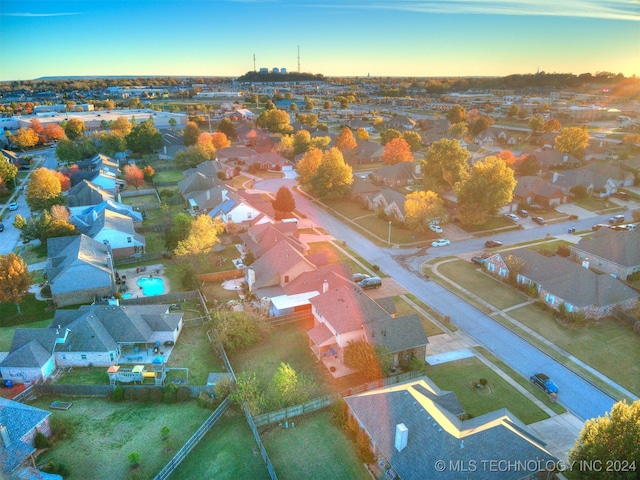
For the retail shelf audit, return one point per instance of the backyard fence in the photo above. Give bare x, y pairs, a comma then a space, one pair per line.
220, 276
305, 315
166, 298
193, 441
630, 320
292, 412
263, 451
160, 227
143, 257
140, 193
100, 390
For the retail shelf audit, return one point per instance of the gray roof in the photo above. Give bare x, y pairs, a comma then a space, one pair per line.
435, 433
19, 419
86, 193
112, 205
398, 171
621, 247
95, 222
397, 334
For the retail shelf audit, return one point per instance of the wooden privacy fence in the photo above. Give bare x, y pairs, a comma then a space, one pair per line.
220, 276
292, 412
630, 320
166, 298
263, 451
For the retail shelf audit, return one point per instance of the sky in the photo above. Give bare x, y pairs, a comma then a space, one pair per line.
351, 38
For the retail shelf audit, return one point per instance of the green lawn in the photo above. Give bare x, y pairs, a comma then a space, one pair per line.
403, 308
593, 204
33, 310
140, 200
105, 433
168, 176
349, 208
193, 350
457, 377
33, 254
605, 344
399, 235
314, 449
227, 452
494, 223
467, 275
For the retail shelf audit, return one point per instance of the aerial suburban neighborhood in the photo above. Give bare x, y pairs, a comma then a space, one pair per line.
281, 274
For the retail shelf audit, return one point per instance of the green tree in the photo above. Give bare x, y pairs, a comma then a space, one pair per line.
413, 139
396, 151
293, 389
275, 121
112, 143
488, 187
572, 140
308, 166
44, 226
456, 114
247, 392
372, 362
237, 330
333, 177
8, 171
68, 151
388, 135
536, 124
227, 127
179, 230
190, 133
284, 204
445, 162
609, 441
15, 279
458, 130
481, 124
144, 137
527, 165
421, 208
134, 459
74, 129
191, 157
173, 123
44, 189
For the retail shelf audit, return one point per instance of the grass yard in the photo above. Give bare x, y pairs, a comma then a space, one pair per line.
154, 242
168, 176
380, 229
314, 449
606, 344
468, 276
158, 216
349, 208
457, 376
494, 223
193, 351
594, 204
33, 253
227, 452
140, 200
105, 433
403, 308
33, 310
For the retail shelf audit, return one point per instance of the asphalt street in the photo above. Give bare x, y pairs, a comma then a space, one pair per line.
576, 394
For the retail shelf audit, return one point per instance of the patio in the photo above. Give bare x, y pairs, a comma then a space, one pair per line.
129, 280
143, 354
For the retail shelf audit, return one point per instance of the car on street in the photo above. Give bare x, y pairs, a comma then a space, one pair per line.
440, 242
538, 220
616, 219
371, 282
435, 228
544, 382
492, 243
523, 213
357, 277
511, 216
13, 206
478, 260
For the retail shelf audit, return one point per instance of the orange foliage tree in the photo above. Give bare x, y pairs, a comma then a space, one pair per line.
396, 151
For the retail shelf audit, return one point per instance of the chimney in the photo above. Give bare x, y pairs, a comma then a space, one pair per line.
585, 263
325, 286
402, 435
555, 177
4, 435
251, 278
565, 158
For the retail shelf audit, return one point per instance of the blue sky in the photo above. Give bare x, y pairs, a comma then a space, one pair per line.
336, 37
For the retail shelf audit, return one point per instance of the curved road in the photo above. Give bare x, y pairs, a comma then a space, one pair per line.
576, 394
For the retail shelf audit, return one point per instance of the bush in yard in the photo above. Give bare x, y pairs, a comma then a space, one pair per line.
363, 445
156, 394
417, 365
564, 251
144, 395
340, 413
57, 468
375, 268
205, 400
170, 393
130, 394
223, 388
41, 441
46, 291
63, 428
483, 382
183, 395
118, 394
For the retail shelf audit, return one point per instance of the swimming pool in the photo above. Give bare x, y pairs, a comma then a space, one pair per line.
127, 295
151, 286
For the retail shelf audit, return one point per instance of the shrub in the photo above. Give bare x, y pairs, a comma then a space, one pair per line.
416, 364
134, 459
483, 382
183, 395
41, 441
340, 413
117, 395
63, 428
205, 400
57, 468
166, 193
130, 394
375, 268
46, 291
144, 395
564, 251
170, 394
155, 395
223, 388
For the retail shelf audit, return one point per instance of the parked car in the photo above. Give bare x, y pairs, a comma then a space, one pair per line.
1, 227
598, 226
538, 220
440, 242
371, 282
616, 219
523, 213
478, 260
357, 277
511, 216
544, 382
492, 243
621, 195
435, 228
13, 206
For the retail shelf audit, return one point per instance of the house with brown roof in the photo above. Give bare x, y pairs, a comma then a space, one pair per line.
366, 151
261, 238
494, 136
555, 159
235, 154
532, 190
610, 251
398, 175
560, 281
390, 201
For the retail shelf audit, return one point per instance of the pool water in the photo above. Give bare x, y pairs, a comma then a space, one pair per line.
127, 295
151, 286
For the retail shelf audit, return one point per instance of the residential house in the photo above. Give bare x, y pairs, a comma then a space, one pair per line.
398, 175
413, 426
362, 189
99, 163
559, 281
19, 424
262, 237
599, 179
267, 161
11, 157
403, 337
202, 193
599, 150
536, 191
238, 155
358, 123
113, 229
610, 251
495, 136
401, 122
236, 209
121, 208
93, 335
555, 159
366, 151
101, 178
78, 270
211, 169
85, 194
390, 201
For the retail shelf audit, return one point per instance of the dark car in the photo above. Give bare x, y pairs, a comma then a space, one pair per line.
478, 260
523, 213
492, 243
616, 219
371, 282
538, 220
357, 277
1, 227
544, 382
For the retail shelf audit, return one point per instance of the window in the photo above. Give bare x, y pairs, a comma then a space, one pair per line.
286, 279
491, 267
83, 356
550, 299
249, 215
503, 272
129, 239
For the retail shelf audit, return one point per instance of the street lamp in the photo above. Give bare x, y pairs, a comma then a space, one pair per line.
389, 233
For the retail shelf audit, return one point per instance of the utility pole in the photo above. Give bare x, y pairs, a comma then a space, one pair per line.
298, 58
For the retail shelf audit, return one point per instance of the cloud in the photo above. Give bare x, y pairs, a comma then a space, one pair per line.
26, 14
601, 9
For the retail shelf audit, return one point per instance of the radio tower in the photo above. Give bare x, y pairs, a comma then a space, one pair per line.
298, 58
254, 62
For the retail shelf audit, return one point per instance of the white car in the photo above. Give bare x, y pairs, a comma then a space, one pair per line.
435, 228
511, 216
440, 242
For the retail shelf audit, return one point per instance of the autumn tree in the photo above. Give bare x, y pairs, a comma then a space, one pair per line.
421, 208
53, 132
301, 142
308, 166
220, 140
361, 134
133, 176
205, 145
333, 177
285, 146
15, 279
227, 127
508, 157
515, 266
190, 133
631, 140
203, 236
396, 151
121, 125
388, 135
148, 173
178, 231
144, 137
38, 129
44, 189
320, 142
445, 162
536, 124
551, 125
74, 129
572, 140
527, 164
44, 226
480, 125
456, 114
458, 130
609, 441
488, 187
413, 139
346, 142
284, 204
512, 111
275, 121
24, 138
65, 182
8, 171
